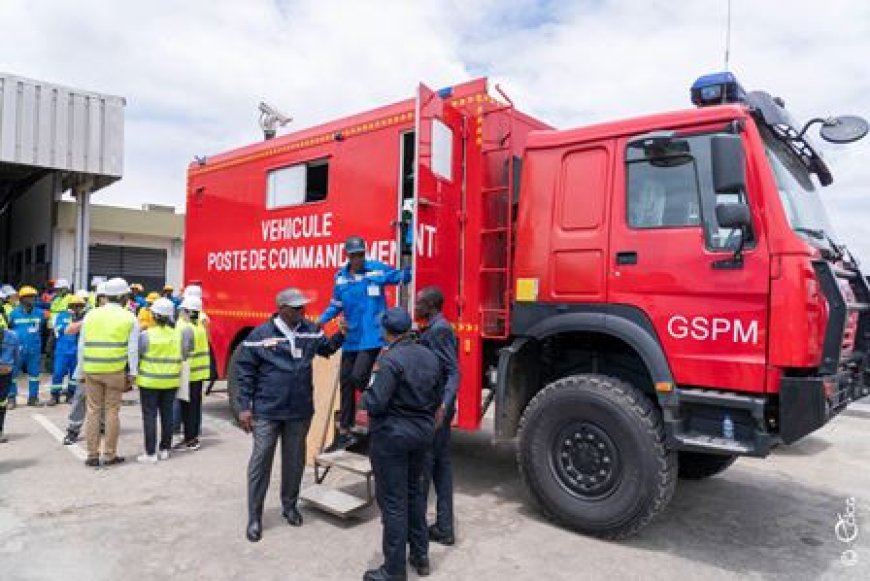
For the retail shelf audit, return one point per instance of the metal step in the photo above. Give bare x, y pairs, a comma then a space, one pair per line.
706, 443
344, 460
333, 501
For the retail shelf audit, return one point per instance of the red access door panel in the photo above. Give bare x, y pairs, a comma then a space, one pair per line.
438, 190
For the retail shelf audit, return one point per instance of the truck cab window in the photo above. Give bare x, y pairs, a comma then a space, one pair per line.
297, 184
677, 191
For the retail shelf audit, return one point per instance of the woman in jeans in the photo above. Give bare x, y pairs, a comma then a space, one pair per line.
162, 348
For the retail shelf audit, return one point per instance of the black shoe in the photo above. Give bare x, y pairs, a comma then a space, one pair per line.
293, 516
3, 439
255, 531
436, 535
67, 398
113, 461
32, 401
70, 438
55, 399
342, 442
92, 462
420, 565
381, 574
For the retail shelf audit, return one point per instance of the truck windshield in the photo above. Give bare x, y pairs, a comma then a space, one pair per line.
799, 195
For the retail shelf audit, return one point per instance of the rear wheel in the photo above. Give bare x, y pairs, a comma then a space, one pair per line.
592, 455
697, 465
233, 383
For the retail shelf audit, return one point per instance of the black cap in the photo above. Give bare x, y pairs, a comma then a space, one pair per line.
355, 245
396, 320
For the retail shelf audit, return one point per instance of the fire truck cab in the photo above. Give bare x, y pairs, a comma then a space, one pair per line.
640, 299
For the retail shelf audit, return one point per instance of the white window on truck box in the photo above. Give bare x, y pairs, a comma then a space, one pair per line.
298, 184
442, 150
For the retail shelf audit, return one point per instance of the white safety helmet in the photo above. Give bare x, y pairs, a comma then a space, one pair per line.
191, 303
61, 283
2, 294
164, 308
101, 289
9, 290
193, 290
116, 287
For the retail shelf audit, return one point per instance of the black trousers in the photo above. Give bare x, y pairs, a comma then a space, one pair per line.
154, 402
191, 411
292, 434
4, 393
356, 370
439, 471
399, 465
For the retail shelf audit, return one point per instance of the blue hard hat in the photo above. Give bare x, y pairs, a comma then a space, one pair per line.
355, 245
396, 320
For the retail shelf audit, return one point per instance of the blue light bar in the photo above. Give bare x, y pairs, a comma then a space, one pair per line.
717, 89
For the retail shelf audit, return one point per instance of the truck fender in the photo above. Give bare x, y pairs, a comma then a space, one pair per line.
513, 374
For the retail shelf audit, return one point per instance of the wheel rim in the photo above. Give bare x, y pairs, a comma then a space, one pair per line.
585, 460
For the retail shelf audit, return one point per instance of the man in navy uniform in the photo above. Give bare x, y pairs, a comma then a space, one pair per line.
402, 400
276, 399
437, 334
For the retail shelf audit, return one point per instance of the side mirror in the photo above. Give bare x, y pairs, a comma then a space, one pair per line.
737, 217
733, 216
729, 167
844, 129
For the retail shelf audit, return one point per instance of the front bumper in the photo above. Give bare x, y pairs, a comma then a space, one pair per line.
808, 403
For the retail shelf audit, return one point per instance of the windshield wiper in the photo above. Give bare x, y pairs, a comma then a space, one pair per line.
818, 234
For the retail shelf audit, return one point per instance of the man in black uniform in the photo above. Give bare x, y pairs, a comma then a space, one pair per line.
276, 401
437, 334
402, 400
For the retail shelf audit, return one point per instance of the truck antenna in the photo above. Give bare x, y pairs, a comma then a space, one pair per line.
728, 38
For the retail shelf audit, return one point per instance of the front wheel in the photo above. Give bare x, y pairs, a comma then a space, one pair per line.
592, 455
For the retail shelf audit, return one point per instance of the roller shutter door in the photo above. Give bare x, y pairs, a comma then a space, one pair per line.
143, 265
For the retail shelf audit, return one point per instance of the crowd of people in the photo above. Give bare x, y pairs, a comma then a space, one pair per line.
80, 331
405, 378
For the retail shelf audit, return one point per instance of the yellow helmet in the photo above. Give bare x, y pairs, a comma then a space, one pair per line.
27, 291
76, 300
152, 296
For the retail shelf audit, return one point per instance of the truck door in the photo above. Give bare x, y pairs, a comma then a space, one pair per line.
669, 258
438, 198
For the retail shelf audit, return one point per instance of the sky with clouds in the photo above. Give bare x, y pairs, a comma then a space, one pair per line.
193, 72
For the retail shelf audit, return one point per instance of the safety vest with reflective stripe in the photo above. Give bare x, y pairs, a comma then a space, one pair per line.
58, 305
200, 362
107, 334
160, 365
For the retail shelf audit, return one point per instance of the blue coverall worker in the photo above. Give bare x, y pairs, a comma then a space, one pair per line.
437, 334
10, 351
359, 295
27, 321
66, 349
402, 401
276, 399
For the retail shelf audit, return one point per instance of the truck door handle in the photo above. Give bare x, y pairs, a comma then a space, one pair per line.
628, 257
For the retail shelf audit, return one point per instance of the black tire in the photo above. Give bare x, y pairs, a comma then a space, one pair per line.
697, 465
592, 455
233, 383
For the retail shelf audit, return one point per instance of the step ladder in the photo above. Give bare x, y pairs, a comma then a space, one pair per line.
333, 500
329, 498
496, 235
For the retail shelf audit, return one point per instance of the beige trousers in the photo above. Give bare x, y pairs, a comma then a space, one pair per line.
104, 392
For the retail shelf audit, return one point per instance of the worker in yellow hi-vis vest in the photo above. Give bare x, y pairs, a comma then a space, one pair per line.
162, 348
108, 362
200, 370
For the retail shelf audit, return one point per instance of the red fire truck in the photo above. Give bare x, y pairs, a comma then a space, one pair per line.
639, 299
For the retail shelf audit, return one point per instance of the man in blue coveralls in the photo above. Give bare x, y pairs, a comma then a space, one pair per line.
27, 321
359, 294
66, 349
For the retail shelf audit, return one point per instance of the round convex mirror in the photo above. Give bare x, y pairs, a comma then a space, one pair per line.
845, 129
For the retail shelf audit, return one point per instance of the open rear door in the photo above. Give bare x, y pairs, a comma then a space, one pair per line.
438, 198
